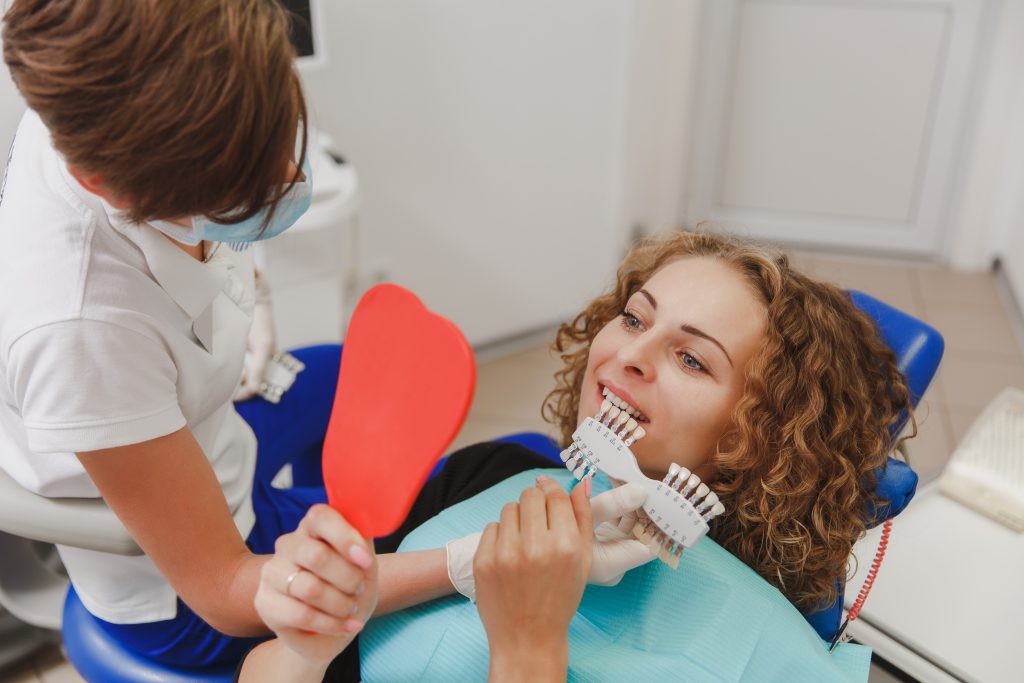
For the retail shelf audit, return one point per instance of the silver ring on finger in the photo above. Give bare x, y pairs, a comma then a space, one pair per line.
288, 582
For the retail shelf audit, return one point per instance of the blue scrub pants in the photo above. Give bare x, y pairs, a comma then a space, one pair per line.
290, 432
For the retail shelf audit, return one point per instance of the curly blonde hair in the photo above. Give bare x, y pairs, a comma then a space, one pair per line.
822, 396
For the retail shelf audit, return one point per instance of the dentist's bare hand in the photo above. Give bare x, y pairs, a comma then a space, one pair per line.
531, 569
320, 587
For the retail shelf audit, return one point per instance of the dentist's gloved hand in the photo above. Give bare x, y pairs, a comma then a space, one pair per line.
615, 550
261, 345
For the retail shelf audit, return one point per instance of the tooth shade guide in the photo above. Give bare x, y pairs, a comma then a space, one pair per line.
668, 518
613, 412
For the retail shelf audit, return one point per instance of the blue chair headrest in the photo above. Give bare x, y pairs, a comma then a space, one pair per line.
918, 348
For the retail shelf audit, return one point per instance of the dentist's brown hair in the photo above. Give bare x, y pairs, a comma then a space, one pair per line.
178, 107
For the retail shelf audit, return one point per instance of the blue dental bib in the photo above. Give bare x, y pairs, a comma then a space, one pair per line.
713, 619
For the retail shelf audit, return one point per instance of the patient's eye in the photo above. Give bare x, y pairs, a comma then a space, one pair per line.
691, 362
631, 322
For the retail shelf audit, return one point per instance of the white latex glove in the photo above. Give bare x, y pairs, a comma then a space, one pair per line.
260, 348
615, 549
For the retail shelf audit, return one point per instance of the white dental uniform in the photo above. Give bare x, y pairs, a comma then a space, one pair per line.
111, 335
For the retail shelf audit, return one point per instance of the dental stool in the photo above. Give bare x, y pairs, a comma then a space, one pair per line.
918, 348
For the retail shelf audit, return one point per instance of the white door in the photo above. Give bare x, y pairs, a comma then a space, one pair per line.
834, 122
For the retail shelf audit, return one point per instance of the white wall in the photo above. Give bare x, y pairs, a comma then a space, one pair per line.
489, 140
663, 47
989, 216
12, 106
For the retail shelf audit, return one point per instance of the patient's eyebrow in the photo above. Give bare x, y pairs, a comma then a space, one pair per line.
690, 329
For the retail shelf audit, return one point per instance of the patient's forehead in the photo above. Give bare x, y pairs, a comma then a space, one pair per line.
710, 294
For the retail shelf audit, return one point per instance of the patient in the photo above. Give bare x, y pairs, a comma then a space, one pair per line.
771, 386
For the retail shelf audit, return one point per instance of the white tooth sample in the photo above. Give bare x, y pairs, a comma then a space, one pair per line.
682, 475
605, 405
637, 434
623, 418
613, 413
708, 502
580, 471
673, 470
630, 426
691, 483
701, 491
714, 512
564, 455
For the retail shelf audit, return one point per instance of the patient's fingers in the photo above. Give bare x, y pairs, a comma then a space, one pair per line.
508, 532
559, 509
580, 499
533, 516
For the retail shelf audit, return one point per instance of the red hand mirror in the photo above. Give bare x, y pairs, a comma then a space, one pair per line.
404, 389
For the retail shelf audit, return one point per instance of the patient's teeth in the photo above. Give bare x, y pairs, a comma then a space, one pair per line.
605, 392
637, 434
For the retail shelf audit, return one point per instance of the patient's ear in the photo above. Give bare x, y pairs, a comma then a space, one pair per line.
94, 183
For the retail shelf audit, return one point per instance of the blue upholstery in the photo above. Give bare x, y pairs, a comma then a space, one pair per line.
98, 657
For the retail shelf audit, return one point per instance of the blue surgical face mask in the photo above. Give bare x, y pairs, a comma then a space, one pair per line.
239, 235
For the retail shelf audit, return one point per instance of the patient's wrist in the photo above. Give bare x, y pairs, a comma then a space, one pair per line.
510, 664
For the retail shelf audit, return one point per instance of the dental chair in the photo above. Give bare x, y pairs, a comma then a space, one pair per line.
34, 589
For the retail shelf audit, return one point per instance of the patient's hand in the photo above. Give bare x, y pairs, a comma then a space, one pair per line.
320, 587
531, 569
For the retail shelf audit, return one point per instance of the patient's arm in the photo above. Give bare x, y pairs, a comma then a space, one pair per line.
410, 578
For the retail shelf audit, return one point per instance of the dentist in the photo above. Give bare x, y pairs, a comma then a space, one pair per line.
162, 137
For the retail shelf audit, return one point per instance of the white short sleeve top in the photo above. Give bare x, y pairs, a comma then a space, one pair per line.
111, 335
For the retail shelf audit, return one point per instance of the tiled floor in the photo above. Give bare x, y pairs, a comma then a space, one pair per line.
984, 353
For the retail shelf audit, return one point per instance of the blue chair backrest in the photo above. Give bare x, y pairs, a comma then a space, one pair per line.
918, 348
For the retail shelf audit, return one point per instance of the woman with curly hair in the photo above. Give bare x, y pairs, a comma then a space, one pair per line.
771, 386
